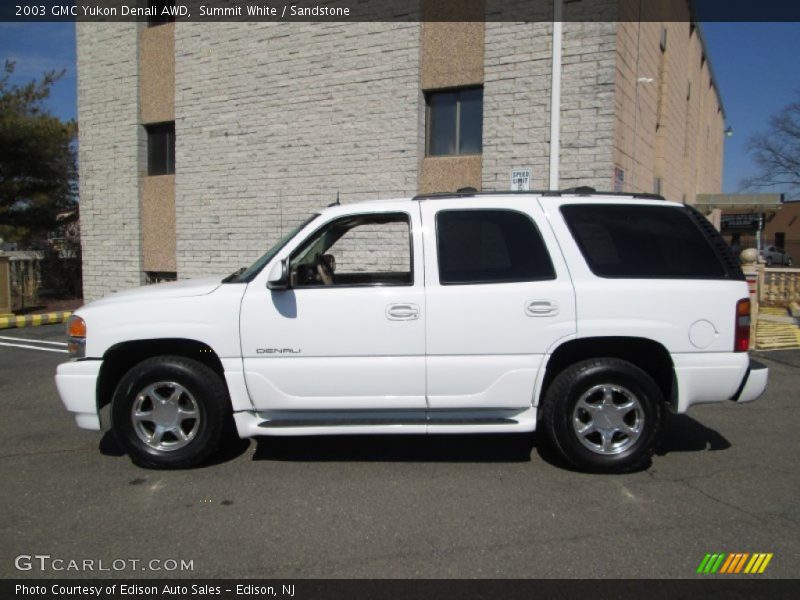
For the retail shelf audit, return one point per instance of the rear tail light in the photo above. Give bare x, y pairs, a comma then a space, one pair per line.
742, 339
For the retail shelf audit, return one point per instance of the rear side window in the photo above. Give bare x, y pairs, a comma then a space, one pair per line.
642, 242
490, 246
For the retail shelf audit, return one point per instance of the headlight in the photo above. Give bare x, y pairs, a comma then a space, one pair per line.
76, 330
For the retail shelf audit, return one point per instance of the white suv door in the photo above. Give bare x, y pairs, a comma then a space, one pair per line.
349, 333
497, 300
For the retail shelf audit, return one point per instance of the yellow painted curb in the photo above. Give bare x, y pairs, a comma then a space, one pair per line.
35, 320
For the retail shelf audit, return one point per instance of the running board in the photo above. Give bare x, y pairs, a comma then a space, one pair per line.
287, 423
357, 422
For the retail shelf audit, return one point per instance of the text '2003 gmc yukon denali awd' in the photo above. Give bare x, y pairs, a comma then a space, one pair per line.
580, 314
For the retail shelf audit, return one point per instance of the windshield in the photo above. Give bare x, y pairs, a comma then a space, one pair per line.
253, 270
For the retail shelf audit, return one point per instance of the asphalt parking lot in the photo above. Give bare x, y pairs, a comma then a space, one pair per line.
726, 480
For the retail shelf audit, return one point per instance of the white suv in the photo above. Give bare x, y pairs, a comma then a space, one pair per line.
581, 314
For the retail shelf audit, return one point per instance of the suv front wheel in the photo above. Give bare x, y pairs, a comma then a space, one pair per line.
604, 415
170, 412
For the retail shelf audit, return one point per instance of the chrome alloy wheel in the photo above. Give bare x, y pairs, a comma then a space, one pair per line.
165, 416
608, 419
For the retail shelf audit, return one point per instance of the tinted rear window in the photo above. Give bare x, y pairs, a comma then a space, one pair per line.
642, 242
490, 246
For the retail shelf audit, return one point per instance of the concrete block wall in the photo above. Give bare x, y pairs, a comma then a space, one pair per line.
517, 87
272, 120
378, 248
587, 104
111, 146
516, 101
668, 113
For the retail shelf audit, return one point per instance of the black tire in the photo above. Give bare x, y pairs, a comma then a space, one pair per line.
197, 390
587, 382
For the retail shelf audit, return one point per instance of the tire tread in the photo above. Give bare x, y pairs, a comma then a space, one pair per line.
557, 394
213, 390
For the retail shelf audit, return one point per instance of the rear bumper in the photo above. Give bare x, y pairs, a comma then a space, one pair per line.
705, 378
753, 384
77, 385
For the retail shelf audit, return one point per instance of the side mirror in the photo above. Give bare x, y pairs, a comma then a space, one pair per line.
279, 276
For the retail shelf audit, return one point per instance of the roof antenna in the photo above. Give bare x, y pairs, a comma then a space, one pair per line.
337, 203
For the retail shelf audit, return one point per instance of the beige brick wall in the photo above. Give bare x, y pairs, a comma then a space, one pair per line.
111, 149
587, 104
675, 135
516, 101
273, 119
518, 75
375, 248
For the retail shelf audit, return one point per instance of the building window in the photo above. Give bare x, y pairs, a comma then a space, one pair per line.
454, 122
161, 149
159, 18
490, 246
153, 277
780, 239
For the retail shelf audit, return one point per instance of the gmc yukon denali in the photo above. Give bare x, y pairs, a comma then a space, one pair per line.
580, 314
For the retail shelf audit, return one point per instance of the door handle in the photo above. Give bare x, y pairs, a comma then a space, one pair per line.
402, 312
541, 308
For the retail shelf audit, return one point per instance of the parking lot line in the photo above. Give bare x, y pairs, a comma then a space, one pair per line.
34, 347
17, 339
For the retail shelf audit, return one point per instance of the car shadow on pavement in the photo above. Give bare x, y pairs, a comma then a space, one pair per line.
229, 450
109, 446
485, 448
684, 434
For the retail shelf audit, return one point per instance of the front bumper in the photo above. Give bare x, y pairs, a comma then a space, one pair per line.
77, 385
754, 382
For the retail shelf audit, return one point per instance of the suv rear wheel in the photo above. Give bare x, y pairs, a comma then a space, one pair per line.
170, 412
603, 414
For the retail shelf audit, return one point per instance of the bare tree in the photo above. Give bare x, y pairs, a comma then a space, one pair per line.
777, 153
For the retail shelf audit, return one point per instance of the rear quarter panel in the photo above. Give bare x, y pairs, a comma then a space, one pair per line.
684, 315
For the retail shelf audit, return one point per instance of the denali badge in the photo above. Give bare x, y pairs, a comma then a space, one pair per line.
278, 351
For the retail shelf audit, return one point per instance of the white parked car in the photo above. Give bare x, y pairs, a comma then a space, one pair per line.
776, 256
585, 316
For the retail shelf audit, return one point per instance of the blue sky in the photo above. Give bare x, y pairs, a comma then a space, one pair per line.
757, 66
40, 47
